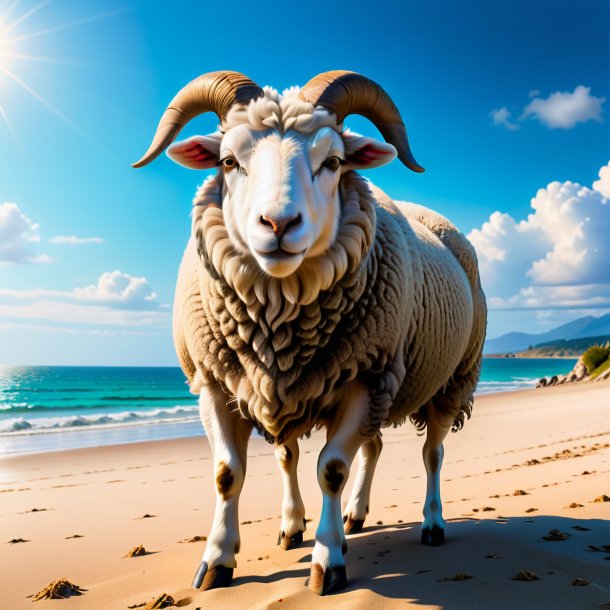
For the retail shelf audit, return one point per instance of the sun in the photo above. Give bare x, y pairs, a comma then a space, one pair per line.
14, 36
5, 47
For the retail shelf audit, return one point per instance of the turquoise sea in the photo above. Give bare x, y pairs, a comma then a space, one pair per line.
55, 408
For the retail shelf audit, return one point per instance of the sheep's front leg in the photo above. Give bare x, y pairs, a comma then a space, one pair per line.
293, 509
357, 507
228, 434
433, 527
344, 437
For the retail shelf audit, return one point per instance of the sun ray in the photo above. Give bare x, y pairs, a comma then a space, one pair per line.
71, 24
39, 97
48, 60
9, 10
10, 127
26, 15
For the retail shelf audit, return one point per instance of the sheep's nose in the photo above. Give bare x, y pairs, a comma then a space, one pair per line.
280, 225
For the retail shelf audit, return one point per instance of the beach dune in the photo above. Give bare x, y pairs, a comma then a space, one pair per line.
524, 490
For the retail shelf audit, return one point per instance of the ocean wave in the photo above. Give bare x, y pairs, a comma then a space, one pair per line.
523, 383
71, 404
21, 425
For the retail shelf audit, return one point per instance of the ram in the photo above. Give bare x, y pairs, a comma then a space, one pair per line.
307, 298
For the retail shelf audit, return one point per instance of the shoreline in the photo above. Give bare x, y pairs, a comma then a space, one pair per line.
196, 435
102, 436
552, 445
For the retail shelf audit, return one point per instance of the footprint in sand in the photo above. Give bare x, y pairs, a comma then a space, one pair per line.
602, 498
194, 539
526, 576
556, 536
137, 551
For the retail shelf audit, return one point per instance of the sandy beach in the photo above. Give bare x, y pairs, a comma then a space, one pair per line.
527, 463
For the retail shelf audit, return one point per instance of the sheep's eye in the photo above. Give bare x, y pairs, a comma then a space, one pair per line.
332, 163
229, 163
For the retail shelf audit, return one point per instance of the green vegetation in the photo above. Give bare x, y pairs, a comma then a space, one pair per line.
565, 348
595, 356
602, 368
597, 359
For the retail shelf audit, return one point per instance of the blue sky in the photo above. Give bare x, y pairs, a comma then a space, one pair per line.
499, 99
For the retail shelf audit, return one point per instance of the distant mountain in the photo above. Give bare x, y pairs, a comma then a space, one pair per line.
589, 326
564, 348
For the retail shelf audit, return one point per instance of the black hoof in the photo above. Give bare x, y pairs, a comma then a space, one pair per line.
199, 575
331, 581
353, 526
434, 536
335, 579
219, 576
289, 542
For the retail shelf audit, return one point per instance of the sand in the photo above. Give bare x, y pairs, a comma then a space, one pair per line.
515, 473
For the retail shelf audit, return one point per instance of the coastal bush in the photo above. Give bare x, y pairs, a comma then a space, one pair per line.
602, 368
595, 356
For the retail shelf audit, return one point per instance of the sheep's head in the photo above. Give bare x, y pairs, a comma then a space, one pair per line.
282, 156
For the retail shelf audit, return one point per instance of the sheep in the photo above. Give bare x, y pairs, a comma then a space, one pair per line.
307, 298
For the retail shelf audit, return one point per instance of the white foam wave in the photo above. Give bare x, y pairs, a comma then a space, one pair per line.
487, 387
40, 425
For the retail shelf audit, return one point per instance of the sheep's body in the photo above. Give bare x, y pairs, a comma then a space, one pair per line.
308, 298
380, 326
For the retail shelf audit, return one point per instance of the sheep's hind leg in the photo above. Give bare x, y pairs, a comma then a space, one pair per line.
433, 527
293, 509
228, 434
344, 437
357, 507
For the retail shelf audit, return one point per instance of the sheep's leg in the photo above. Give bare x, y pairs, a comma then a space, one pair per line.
344, 437
293, 509
433, 527
228, 434
357, 508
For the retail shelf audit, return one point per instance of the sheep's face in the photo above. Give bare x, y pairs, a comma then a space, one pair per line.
281, 200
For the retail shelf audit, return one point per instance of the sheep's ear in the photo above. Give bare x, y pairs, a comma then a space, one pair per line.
198, 152
364, 153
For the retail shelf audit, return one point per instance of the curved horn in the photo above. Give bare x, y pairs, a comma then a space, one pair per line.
343, 93
214, 91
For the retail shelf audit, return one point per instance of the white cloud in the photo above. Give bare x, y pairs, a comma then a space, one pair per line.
113, 289
563, 110
603, 184
118, 289
73, 240
80, 313
501, 116
555, 258
18, 234
117, 299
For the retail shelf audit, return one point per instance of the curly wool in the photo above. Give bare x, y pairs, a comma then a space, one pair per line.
281, 345
395, 302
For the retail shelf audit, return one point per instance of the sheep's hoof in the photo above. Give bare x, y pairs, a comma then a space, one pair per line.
353, 526
434, 536
219, 576
289, 542
199, 575
331, 581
